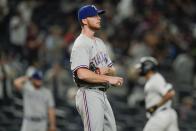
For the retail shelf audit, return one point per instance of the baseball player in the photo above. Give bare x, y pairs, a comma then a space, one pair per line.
158, 98
93, 73
38, 104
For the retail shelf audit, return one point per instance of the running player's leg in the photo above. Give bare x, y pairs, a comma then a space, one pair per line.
158, 122
174, 122
109, 120
153, 125
90, 106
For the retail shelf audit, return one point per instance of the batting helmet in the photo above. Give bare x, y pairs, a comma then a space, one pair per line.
147, 64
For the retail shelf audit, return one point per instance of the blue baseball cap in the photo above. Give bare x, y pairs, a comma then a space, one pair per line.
88, 11
37, 75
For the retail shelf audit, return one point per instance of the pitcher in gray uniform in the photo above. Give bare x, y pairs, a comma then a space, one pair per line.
38, 104
93, 73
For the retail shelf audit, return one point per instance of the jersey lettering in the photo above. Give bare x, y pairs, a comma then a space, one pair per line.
100, 58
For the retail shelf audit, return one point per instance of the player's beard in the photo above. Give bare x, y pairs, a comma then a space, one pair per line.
94, 27
37, 84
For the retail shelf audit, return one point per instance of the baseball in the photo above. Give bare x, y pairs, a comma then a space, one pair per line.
119, 84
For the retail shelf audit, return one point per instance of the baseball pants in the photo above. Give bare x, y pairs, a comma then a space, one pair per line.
28, 125
95, 110
165, 120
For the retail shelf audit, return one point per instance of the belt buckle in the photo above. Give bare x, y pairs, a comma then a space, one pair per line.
35, 119
102, 89
165, 108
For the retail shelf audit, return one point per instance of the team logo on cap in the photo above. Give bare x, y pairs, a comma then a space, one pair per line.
94, 7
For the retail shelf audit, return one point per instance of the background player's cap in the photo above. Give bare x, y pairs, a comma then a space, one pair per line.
88, 11
37, 75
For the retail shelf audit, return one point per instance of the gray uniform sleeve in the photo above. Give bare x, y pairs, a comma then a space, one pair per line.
50, 99
80, 57
109, 62
107, 57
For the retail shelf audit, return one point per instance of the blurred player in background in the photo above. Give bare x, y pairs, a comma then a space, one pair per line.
38, 104
158, 98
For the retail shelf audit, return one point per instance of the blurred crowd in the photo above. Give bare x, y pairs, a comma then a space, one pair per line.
39, 34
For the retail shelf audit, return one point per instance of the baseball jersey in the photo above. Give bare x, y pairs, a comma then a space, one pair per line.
36, 101
87, 51
155, 88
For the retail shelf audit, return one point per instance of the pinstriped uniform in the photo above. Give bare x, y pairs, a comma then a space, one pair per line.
164, 118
